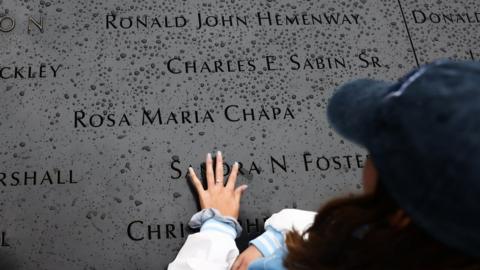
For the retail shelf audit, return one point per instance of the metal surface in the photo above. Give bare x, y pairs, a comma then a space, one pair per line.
105, 104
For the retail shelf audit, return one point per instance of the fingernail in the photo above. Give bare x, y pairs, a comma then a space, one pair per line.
245, 187
209, 156
235, 163
190, 169
219, 153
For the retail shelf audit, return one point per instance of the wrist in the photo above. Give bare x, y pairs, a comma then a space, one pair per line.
214, 219
218, 226
224, 213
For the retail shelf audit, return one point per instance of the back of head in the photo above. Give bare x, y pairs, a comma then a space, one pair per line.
355, 233
423, 135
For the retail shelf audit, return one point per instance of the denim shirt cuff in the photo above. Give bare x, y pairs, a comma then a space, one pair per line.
268, 242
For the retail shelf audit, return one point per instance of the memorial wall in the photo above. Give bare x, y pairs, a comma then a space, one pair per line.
105, 104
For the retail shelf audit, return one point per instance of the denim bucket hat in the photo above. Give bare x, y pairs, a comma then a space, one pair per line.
423, 135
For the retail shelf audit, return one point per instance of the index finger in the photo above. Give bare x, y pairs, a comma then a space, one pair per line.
196, 182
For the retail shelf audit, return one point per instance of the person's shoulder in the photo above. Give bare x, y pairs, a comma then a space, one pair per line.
293, 211
288, 219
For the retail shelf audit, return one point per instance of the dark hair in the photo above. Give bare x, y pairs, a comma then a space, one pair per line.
355, 233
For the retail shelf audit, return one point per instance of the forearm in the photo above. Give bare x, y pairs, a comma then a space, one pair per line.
212, 248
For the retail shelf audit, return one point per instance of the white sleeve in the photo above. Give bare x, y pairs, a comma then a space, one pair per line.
288, 219
212, 248
278, 225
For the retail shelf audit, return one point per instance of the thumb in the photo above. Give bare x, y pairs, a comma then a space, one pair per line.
237, 263
240, 190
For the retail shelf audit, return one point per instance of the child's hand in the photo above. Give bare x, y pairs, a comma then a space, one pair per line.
248, 255
224, 197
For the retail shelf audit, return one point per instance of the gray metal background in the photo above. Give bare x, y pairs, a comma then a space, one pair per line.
124, 173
